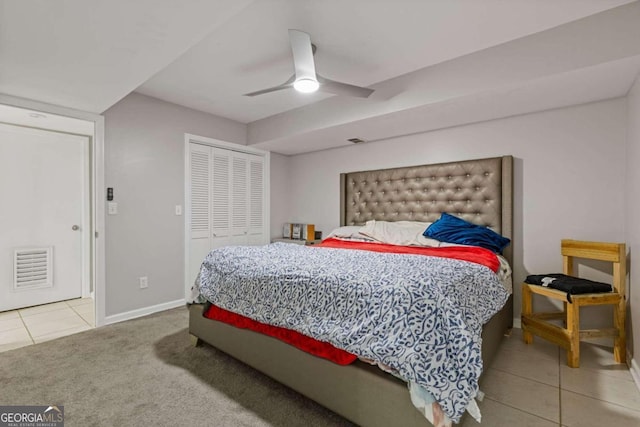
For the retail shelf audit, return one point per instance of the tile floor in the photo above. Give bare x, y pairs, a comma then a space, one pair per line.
532, 386
19, 328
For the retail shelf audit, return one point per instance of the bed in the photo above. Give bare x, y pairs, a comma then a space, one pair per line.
479, 191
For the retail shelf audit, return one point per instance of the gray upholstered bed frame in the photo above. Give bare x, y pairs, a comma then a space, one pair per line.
477, 190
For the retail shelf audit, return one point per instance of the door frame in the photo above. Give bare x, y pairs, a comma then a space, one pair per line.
211, 142
96, 159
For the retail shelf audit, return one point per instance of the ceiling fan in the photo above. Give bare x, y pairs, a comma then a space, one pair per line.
306, 79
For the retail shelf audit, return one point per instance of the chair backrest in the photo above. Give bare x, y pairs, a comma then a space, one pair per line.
612, 252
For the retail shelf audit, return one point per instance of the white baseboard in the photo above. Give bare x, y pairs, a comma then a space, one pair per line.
635, 372
128, 315
517, 323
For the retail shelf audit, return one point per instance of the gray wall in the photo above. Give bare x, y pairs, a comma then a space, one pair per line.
569, 176
280, 187
632, 223
144, 156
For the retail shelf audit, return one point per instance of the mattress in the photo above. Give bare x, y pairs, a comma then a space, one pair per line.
421, 320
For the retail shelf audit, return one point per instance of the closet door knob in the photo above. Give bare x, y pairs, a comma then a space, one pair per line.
75, 228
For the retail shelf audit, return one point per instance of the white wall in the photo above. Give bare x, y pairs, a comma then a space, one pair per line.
632, 223
144, 156
569, 176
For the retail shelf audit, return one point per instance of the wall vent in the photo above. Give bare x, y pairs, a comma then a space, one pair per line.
33, 268
355, 140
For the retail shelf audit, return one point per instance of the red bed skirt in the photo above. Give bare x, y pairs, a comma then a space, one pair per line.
296, 339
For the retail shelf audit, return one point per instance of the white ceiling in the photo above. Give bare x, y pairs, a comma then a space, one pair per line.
433, 63
89, 54
361, 42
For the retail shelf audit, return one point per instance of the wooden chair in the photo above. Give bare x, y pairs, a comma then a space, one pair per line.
569, 336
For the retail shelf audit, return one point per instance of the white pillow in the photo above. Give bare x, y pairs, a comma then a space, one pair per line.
349, 232
403, 233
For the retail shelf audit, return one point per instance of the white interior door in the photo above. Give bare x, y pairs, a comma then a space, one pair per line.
45, 218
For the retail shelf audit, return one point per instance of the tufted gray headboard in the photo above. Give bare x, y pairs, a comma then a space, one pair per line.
479, 191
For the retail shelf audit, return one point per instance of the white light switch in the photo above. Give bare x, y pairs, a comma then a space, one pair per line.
178, 209
112, 208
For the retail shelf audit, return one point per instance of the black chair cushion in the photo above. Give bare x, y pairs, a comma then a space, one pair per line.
569, 284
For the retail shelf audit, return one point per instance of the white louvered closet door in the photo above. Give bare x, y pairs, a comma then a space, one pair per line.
221, 190
256, 208
200, 164
247, 199
227, 207
239, 198
199, 206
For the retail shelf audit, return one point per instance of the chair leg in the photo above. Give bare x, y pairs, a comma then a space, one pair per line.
573, 328
620, 342
527, 309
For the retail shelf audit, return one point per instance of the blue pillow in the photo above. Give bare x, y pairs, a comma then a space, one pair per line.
452, 229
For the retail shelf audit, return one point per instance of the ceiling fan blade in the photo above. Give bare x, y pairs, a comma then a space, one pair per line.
302, 55
338, 88
271, 89
285, 85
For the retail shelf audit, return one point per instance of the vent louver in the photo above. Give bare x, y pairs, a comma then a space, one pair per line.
355, 140
33, 268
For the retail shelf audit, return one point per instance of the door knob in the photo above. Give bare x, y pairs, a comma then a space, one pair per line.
75, 228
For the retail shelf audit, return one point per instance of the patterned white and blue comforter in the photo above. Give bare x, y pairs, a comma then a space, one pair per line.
420, 315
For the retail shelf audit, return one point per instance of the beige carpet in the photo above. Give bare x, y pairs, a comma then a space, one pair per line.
144, 372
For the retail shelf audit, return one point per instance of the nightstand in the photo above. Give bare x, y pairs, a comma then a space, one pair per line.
297, 242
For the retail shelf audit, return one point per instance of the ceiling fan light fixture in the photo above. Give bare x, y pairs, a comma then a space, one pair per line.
306, 85
305, 79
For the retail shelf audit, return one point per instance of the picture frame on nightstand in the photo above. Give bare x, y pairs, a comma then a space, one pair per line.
296, 231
